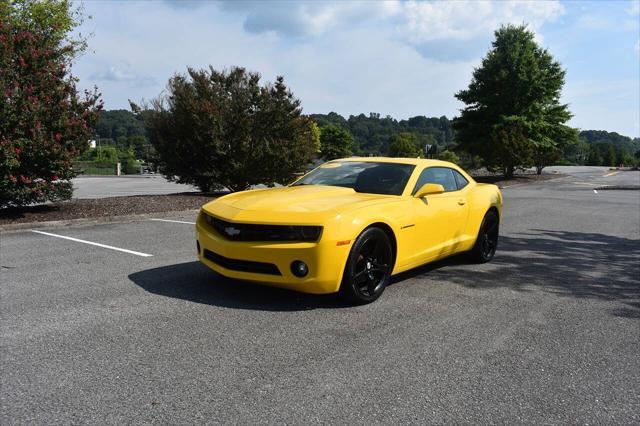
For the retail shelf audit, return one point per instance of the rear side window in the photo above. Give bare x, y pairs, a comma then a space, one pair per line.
460, 180
438, 175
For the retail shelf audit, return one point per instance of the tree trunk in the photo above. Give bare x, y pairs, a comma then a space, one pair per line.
508, 171
539, 170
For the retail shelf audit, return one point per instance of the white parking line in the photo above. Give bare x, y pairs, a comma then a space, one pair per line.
77, 240
173, 221
586, 183
610, 174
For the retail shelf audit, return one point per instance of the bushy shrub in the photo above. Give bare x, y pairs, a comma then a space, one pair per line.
224, 129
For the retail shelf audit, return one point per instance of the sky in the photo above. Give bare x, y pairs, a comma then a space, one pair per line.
397, 58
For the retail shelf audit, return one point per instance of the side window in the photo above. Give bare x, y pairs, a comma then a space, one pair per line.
438, 175
460, 180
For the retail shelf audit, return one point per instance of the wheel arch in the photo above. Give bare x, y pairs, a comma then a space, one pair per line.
495, 210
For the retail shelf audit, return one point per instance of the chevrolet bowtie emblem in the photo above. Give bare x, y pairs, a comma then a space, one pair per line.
231, 231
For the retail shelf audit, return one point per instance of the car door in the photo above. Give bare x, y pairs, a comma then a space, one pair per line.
440, 219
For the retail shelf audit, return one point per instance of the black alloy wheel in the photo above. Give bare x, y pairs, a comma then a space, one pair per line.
487, 241
368, 268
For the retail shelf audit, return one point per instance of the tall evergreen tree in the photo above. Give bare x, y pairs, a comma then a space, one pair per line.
513, 115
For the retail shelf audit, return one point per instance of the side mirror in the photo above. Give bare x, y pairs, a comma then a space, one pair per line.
429, 189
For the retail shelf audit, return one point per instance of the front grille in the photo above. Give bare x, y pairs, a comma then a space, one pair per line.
242, 265
252, 232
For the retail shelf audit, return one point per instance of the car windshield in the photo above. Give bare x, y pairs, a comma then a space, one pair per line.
363, 176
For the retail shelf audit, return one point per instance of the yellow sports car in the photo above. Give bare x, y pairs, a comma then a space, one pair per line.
350, 224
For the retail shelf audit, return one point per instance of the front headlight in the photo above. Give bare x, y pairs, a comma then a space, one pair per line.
208, 219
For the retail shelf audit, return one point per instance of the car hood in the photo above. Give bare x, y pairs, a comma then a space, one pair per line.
286, 203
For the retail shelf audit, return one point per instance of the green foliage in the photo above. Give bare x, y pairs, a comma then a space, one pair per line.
54, 20
608, 154
548, 151
118, 123
449, 156
223, 129
44, 123
403, 145
372, 134
107, 157
513, 104
124, 130
335, 142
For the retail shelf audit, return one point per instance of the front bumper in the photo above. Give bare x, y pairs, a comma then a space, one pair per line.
235, 259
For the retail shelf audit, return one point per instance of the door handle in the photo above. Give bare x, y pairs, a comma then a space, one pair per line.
462, 202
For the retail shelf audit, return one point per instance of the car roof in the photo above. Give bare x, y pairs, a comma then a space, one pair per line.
415, 161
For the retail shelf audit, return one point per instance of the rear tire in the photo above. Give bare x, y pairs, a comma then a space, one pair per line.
487, 241
368, 267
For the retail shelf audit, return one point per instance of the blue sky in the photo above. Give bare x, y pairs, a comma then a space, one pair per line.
401, 58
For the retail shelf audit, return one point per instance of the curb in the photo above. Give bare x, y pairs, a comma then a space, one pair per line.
618, 187
52, 224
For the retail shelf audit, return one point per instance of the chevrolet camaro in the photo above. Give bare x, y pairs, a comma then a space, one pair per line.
349, 225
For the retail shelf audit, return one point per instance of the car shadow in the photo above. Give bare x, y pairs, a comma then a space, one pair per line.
571, 264
574, 264
195, 282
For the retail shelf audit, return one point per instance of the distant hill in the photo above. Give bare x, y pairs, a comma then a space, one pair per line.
624, 143
119, 123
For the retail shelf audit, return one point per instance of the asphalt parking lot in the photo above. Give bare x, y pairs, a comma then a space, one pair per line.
549, 332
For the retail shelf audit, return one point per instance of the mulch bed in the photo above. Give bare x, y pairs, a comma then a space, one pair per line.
103, 207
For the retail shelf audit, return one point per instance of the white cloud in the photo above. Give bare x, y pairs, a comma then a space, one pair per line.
469, 25
303, 19
464, 20
123, 73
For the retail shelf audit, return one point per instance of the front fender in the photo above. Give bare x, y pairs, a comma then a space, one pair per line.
396, 216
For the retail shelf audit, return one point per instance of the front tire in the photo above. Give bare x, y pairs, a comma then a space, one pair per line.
487, 241
368, 267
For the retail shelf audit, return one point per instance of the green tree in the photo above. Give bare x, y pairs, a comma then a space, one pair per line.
513, 103
549, 150
594, 158
44, 122
403, 145
335, 142
372, 133
449, 156
610, 156
224, 129
140, 145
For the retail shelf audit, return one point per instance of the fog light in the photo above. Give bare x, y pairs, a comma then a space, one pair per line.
299, 268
